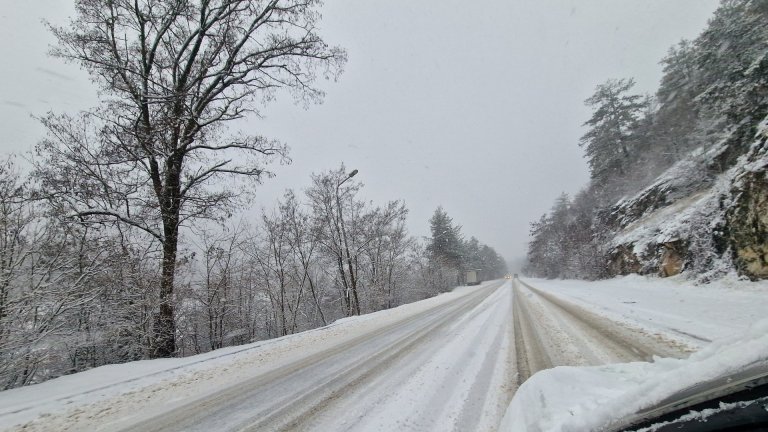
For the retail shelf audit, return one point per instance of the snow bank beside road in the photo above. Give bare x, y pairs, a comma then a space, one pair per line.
184, 378
589, 398
581, 399
696, 313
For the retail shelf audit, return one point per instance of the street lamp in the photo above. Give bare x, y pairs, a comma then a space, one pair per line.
351, 174
352, 278
338, 198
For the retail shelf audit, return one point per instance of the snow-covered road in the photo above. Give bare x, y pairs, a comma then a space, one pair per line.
441, 364
385, 379
451, 362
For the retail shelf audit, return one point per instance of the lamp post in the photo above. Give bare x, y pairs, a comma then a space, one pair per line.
352, 278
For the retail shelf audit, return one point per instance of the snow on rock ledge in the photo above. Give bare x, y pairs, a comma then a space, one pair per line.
688, 220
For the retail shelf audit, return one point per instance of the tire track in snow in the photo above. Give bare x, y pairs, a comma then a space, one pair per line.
550, 331
478, 392
617, 339
529, 351
454, 380
340, 368
384, 359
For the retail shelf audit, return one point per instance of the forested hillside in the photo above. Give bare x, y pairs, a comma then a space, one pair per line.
678, 179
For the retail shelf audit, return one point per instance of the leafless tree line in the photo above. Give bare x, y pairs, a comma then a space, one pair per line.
75, 294
72, 296
114, 250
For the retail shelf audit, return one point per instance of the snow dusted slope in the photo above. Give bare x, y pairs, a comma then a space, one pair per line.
697, 218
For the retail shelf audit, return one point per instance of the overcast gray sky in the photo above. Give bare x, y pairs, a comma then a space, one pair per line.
475, 106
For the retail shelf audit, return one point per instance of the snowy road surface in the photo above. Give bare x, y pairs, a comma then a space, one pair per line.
550, 331
375, 381
451, 362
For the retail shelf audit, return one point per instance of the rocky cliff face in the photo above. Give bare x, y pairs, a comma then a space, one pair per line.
696, 218
746, 219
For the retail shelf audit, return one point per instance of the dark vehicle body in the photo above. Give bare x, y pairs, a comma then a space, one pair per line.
736, 402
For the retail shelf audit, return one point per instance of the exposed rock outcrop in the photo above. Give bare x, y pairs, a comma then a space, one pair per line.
623, 261
674, 226
747, 217
672, 258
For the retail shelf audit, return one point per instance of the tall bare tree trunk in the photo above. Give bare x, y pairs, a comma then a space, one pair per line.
165, 325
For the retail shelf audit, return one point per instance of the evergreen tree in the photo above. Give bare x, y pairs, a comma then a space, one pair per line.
607, 143
485, 258
445, 246
713, 95
548, 251
491, 263
537, 257
472, 249
678, 112
732, 61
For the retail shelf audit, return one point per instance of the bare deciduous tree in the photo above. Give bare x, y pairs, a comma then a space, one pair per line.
362, 243
172, 73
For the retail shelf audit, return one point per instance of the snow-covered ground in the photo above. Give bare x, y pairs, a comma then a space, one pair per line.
695, 313
729, 312
452, 362
553, 331
579, 399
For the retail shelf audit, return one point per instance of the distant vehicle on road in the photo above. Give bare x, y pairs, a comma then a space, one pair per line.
507, 276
